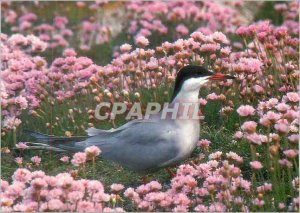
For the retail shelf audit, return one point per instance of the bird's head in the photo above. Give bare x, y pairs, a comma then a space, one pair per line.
191, 78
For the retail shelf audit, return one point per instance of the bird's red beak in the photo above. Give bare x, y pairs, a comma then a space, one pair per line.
220, 77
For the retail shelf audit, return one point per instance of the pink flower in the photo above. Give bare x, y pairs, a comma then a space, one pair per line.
141, 41
265, 121
281, 206
116, 187
201, 208
234, 156
60, 22
212, 97
256, 165
19, 160
246, 110
282, 107
154, 186
238, 135
130, 193
69, 52
272, 102
217, 207
249, 126
202, 101
75, 196
292, 97
204, 143
64, 180
22, 102
209, 48
85, 206
36, 160
125, 48
258, 202
242, 31
225, 51
291, 153
17, 39
282, 126
55, 193
37, 45
65, 159
198, 36
21, 146
257, 139
92, 152
272, 116
215, 156
22, 175
39, 183
258, 89
220, 37
291, 115
182, 30
285, 163
94, 186
79, 159
55, 205
294, 138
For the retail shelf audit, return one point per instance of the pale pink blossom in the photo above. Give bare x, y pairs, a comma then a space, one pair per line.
238, 135
117, 187
22, 175
249, 126
204, 143
282, 126
294, 138
202, 101
125, 48
292, 97
65, 159
141, 41
212, 97
21, 145
19, 160
246, 110
291, 153
92, 152
182, 30
256, 165
36, 160
79, 159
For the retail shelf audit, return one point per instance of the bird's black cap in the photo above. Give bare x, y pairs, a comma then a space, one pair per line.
187, 72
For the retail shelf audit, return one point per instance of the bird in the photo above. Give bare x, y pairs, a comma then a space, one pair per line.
147, 145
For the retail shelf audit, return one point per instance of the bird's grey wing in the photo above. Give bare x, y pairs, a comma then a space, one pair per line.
93, 131
140, 146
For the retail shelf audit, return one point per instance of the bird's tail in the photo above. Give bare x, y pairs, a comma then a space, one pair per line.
55, 143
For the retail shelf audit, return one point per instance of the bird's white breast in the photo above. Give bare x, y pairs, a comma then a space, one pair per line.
188, 136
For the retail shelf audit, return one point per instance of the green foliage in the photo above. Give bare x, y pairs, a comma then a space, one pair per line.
267, 12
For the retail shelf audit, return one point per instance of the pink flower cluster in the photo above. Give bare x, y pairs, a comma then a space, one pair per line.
36, 191
211, 186
21, 74
149, 18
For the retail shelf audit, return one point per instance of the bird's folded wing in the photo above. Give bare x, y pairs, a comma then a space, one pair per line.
140, 146
93, 131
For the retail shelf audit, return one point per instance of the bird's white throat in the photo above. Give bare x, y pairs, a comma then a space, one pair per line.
189, 91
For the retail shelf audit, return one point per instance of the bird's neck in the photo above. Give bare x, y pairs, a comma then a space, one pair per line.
191, 96
187, 103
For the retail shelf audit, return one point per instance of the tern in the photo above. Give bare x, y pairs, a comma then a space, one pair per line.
147, 145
